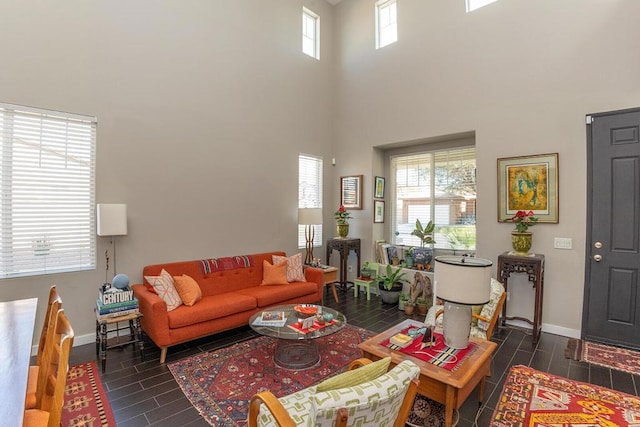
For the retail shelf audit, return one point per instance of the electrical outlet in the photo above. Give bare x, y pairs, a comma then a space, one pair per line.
350, 269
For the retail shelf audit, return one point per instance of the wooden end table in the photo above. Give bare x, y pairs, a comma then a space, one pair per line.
447, 387
106, 325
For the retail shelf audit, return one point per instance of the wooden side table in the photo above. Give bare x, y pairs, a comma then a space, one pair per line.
107, 325
533, 266
344, 246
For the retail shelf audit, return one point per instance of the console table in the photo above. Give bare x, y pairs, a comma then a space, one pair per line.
533, 266
344, 246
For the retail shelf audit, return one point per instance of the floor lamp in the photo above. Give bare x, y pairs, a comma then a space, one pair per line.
111, 221
461, 282
309, 217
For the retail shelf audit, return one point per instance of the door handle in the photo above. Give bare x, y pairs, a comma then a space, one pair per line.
597, 258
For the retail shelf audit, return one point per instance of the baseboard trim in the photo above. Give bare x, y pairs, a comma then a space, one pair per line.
546, 327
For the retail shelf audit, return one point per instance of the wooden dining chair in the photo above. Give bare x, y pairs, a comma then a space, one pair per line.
53, 305
56, 365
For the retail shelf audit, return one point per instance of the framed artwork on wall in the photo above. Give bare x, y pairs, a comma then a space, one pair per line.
378, 211
528, 183
351, 192
378, 189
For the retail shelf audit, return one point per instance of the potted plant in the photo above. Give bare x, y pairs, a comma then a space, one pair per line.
403, 300
423, 305
409, 306
520, 237
425, 234
408, 257
341, 216
367, 272
390, 286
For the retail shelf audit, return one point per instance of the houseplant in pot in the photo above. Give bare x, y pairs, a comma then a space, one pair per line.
390, 286
404, 298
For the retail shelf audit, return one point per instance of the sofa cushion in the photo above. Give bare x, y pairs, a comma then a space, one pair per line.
497, 289
277, 294
165, 288
295, 272
274, 274
210, 308
188, 289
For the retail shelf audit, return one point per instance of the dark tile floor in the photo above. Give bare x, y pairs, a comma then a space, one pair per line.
145, 393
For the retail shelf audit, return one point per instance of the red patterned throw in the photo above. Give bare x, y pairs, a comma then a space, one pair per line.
534, 398
85, 401
438, 354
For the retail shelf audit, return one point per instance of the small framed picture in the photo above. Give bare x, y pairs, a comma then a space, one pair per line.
351, 192
378, 211
378, 191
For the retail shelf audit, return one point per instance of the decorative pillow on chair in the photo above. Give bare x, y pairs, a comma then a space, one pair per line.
165, 288
356, 376
188, 289
295, 272
274, 274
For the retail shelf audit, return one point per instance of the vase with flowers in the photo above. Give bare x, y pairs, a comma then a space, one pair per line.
341, 216
521, 237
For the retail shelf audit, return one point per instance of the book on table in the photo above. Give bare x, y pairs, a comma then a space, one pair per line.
116, 308
271, 318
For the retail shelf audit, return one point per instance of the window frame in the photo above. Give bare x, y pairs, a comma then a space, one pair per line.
437, 207
314, 38
47, 178
380, 6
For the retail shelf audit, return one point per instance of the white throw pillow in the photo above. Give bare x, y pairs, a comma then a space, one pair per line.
166, 289
295, 272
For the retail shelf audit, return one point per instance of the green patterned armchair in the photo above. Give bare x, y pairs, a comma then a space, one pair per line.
344, 401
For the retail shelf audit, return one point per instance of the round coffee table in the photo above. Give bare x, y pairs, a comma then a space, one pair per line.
295, 349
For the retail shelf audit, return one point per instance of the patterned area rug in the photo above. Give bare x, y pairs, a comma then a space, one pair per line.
604, 355
85, 403
220, 384
534, 398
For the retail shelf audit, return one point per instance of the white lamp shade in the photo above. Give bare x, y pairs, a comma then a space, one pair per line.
309, 216
463, 280
112, 219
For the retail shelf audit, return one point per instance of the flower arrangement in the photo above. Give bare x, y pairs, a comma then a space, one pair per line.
341, 215
523, 220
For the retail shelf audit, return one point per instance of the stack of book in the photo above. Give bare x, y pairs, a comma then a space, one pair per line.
114, 302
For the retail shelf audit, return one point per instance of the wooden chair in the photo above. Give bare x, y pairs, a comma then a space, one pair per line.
485, 324
53, 305
388, 398
56, 366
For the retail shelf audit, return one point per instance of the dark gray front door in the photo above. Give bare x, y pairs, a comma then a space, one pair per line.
612, 289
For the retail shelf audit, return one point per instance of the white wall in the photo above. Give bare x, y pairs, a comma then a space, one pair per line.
203, 107
522, 75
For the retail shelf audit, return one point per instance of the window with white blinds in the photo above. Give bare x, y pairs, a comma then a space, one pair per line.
438, 186
47, 183
309, 193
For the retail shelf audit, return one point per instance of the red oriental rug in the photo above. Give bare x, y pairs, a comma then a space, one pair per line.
534, 398
617, 358
85, 402
220, 383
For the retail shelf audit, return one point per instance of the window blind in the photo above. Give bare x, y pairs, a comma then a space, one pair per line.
47, 184
309, 193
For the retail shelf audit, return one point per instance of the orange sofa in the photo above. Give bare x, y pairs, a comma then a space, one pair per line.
231, 294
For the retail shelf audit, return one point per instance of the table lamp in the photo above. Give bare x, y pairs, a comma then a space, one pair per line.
309, 217
461, 282
111, 221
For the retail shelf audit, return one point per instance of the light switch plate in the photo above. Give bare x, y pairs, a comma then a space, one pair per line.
562, 243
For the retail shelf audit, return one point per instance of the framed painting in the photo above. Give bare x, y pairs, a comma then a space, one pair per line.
528, 183
378, 190
351, 192
378, 211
